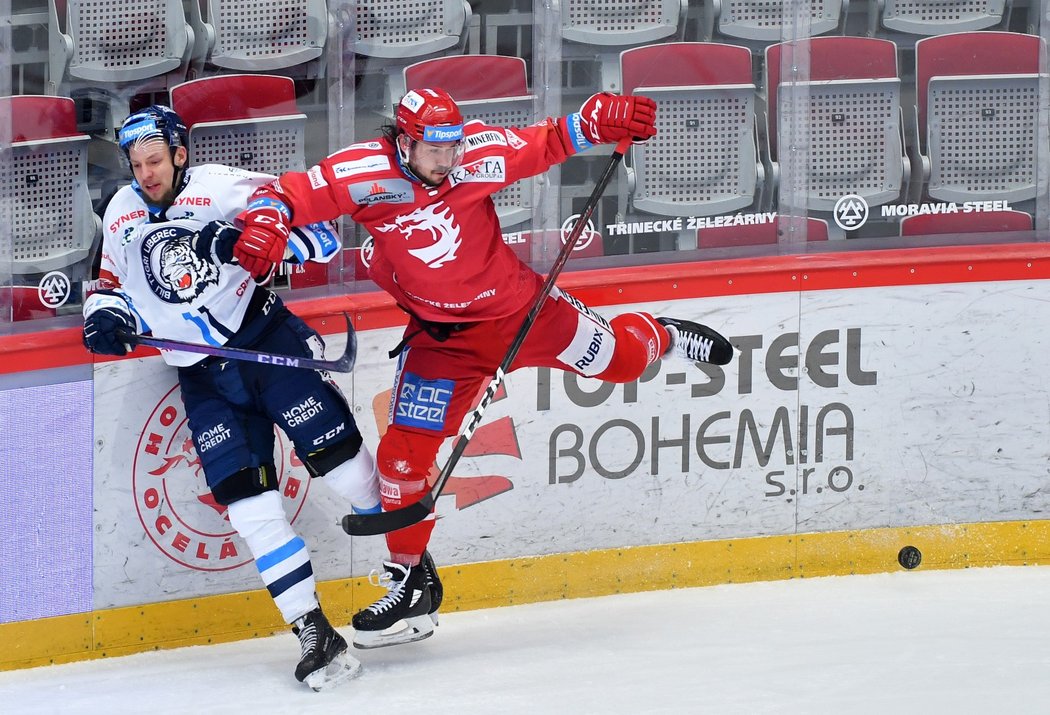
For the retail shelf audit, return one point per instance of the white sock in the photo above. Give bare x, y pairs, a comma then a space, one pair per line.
280, 555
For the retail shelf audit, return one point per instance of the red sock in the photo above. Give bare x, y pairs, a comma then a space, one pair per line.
640, 341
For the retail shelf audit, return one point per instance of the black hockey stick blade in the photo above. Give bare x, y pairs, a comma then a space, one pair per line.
387, 521
344, 363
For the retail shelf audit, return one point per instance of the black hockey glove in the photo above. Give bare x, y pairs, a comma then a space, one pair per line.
105, 313
214, 242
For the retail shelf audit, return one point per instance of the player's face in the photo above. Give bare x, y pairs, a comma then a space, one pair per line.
433, 162
152, 165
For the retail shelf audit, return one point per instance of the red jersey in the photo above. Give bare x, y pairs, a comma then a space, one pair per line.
439, 250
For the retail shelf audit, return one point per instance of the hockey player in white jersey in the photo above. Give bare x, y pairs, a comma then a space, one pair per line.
168, 268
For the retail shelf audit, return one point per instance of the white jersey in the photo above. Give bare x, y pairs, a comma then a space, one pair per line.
174, 293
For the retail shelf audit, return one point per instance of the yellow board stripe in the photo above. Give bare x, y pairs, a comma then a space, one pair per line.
229, 617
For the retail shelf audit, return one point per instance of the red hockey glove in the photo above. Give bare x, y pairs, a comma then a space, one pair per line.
607, 118
264, 238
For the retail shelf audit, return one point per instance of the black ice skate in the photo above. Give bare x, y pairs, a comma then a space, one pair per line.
696, 343
325, 662
437, 591
406, 602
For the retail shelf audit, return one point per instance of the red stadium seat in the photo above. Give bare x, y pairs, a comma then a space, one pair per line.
974, 222
45, 181
981, 118
27, 305
761, 234
704, 158
250, 121
853, 119
471, 77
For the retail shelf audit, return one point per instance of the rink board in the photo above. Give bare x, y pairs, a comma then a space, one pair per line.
894, 398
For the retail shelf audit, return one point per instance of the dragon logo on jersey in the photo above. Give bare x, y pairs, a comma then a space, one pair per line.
175, 273
431, 233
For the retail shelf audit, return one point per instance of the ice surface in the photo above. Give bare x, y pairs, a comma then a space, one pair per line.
971, 641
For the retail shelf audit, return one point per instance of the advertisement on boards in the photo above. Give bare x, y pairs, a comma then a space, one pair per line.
843, 410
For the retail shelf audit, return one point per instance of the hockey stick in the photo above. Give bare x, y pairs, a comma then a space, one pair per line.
345, 363
386, 521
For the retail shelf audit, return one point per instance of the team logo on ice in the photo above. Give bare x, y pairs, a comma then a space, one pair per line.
172, 499
431, 233
174, 272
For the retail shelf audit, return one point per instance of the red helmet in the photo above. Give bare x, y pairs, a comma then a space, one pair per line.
430, 115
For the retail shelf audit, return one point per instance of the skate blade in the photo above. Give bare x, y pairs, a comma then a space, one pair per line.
343, 667
415, 629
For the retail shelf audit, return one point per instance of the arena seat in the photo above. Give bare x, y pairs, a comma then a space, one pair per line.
250, 121
389, 36
603, 28
848, 118
50, 214
896, 19
262, 35
492, 89
26, 304
110, 51
970, 222
409, 28
763, 21
471, 77
760, 234
704, 158
982, 124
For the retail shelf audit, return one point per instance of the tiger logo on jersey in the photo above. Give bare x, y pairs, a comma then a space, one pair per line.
175, 273
431, 233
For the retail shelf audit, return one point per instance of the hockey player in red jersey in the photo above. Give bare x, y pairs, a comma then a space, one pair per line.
422, 190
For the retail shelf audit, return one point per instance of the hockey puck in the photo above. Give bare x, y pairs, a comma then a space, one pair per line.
909, 557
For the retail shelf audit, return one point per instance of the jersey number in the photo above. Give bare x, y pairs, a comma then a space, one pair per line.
206, 328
